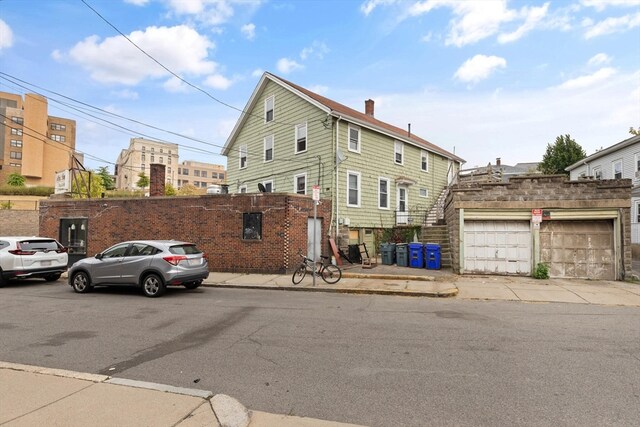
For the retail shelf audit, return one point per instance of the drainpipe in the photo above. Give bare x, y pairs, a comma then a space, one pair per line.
335, 159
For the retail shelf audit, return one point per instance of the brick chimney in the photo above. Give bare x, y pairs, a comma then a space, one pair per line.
497, 161
368, 107
156, 180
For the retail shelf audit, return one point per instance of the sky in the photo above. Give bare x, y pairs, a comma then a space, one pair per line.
483, 79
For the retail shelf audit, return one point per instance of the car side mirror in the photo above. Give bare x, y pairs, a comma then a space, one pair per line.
98, 256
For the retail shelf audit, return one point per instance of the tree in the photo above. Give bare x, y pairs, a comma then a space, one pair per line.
633, 131
564, 152
16, 180
84, 179
143, 180
169, 189
188, 190
107, 180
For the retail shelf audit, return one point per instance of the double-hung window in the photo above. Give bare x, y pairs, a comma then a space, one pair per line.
268, 186
353, 189
354, 138
597, 173
398, 151
269, 104
301, 138
424, 161
243, 156
300, 183
617, 169
383, 193
268, 148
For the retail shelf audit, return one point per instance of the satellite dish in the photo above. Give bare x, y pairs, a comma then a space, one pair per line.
261, 188
340, 157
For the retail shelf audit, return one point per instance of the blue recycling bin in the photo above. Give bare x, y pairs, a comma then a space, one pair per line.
388, 251
402, 255
415, 255
432, 256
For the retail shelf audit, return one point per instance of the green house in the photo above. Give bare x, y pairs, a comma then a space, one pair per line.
377, 176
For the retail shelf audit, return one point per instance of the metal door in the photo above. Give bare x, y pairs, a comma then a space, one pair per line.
318, 238
502, 247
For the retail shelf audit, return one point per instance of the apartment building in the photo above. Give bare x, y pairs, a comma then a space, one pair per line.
200, 174
138, 158
32, 143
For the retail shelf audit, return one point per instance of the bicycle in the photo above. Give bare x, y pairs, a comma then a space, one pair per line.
330, 273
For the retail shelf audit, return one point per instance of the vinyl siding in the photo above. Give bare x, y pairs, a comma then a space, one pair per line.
605, 163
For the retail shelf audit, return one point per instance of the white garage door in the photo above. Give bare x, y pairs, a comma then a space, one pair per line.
580, 249
502, 247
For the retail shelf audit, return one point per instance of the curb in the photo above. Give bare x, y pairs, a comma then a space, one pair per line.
54, 372
386, 277
204, 394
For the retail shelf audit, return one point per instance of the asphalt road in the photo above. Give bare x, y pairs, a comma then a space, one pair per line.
372, 360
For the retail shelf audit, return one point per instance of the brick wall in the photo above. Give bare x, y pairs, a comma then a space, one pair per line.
19, 223
213, 222
540, 192
156, 180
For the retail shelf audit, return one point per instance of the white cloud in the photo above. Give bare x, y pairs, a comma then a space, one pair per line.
588, 80
599, 59
6, 35
613, 25
137, 2
257, 72
286, 65
368, 6
320, 49
211, 12
600, 5
126, 94
319, 89
175, 85
57, 56
532, 18
218, 81
479, 68
249, 31
427, 37
115, 60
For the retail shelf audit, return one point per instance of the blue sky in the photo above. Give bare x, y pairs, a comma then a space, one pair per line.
485, 79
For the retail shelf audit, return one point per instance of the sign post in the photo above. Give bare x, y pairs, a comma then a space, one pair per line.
316, 199
536, 217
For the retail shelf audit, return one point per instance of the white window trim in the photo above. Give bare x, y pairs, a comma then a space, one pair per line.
242, 187
349, 138
420, 192
597, 169
295, 183
272, 97
246, 150
634, 220
264, 151
295, 138
636, 157
613, 168
395, 151
380, 179
349, 173
269, 181
423, 154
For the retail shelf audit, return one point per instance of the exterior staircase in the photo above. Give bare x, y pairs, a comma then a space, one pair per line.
434, 229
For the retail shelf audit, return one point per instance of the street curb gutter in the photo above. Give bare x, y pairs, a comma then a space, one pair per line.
436, 294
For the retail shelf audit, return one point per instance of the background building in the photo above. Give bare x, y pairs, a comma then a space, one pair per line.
200, 174
137, 158
32, 143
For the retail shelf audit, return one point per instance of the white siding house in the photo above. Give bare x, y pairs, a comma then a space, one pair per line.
621, 160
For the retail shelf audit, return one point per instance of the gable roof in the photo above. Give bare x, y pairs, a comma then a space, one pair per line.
615, 147
337, 110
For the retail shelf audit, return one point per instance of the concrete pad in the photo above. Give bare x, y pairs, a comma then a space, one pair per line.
478, 292
23, 392
432, 287
229, 411
113, 405
611, 298
253, 279
222, 277
264, 419
548, 295
201, 417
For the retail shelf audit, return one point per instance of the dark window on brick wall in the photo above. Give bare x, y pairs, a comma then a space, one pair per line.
252, 226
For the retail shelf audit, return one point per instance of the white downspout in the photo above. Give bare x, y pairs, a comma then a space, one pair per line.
337, 174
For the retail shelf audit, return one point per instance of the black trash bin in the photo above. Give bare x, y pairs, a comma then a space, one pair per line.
402, 255
388, 251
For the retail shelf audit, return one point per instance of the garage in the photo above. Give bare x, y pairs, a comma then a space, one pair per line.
502, 247
578, 249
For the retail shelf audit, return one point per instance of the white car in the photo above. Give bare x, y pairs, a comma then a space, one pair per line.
25, 257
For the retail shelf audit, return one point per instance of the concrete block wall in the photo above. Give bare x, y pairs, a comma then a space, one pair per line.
213, 222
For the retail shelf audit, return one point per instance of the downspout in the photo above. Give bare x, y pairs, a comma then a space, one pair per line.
335, 159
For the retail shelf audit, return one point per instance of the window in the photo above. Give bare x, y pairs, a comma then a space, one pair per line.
162, 150
383, 193
424, 192
58, 138
637, 163
617, 169
398, 150
203, 174
251, 226
301, 138
268, 148
142, 167
354, 138
57, 126
638, 212
221, 175
161, 159
243, 156
15, 131
300, 184
268, 186
16, 155
169, 170
196, 183
115, 251
424, 161
243, 189
196, 172
153, 158
268, 109
597, 173
143, 157
17, 165
144, 148
169, 160
353, 189
152, 149
16, 143
18, 120
185, 171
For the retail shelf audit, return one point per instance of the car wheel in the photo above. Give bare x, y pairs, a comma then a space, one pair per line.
192, 285
153, 286
80, 282
52, 277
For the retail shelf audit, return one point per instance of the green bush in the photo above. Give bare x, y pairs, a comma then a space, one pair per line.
26, 191
115, 194
541, 271
5, 205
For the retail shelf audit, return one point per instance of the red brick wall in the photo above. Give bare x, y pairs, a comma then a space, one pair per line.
213, 222
156, 180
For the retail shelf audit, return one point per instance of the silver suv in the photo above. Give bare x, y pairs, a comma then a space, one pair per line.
23, 257
151, 264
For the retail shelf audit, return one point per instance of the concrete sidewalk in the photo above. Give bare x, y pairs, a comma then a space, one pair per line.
32, 396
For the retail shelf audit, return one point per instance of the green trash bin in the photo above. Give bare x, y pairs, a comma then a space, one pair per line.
388, 251
402, 255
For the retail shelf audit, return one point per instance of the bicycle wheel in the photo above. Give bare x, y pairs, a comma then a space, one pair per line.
331, 273
299, 274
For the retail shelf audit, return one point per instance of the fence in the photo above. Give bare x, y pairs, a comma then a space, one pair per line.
19, 204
